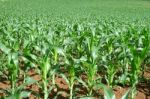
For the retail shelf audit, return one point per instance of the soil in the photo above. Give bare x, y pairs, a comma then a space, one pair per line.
143, 88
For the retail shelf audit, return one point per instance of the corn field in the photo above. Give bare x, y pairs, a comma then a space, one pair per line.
106, 52
90, 54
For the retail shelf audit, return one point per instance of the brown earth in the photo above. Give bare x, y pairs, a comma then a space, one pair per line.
142, 93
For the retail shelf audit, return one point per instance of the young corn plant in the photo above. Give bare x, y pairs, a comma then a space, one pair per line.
13, 69
110, 58
91, 71
12, 66
72, 52
70, 79
124, 60
109, 93
111, 71
48, 60
55, 53
54, 40
20, 92
44, 67
89, 63
139, 53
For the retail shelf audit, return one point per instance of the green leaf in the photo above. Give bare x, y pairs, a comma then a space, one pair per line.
60, 51
15, 96
65, 78
46, 65
4, 48
29, 81
25, 94
82, 82
126, 95
15, 58
108, 92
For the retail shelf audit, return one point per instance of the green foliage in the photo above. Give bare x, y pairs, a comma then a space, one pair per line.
85, 42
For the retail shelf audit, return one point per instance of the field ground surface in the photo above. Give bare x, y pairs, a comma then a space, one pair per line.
74, 49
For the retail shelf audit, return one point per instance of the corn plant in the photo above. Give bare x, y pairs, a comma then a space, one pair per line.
16, 92
109, 58
12, 66
109, 94
70, 80
109, 50
45, 66
44, 69
89, 63
139, 53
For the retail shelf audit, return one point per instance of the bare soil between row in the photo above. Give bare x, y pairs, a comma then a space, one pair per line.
143, 88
